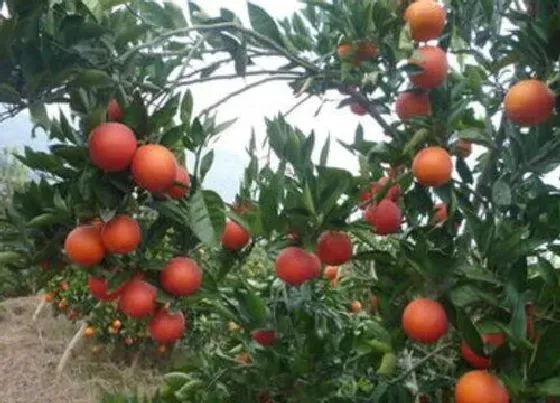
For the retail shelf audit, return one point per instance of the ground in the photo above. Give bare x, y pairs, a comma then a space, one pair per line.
31, 350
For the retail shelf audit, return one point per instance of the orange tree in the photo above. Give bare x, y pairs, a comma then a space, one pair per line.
457, 253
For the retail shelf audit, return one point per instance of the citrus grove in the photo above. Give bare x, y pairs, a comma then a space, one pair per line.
429, 275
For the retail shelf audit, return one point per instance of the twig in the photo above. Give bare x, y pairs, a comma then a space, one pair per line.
298, 104
66, 355
242, 90
421, 362
38, 310
294, 75
366, 103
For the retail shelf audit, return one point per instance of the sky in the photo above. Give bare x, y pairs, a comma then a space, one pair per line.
250, 109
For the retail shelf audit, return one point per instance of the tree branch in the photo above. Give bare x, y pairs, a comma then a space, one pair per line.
242, 90
373, 112
297, 105
293, 75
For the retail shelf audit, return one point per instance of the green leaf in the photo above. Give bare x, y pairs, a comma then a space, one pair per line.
501, 193
8, 94
546, 360
39, 116
172, 136
476, 136
187, 107
550, 387
464, 326
206, 164
92, 78
253, 305
325, 152
264, 24
207, 216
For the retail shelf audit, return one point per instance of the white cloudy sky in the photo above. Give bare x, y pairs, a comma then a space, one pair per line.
250, 108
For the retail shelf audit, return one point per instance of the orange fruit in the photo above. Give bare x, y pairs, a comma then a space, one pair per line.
356, 307
63, 304
48, 298
161, 349
264, 337
167, 327
114, 111
432, 166
433, 62
426, 20
374, 303
334, 248
366, 51
121, 235
296, 265
344, 50
330, 272
424, 320
112, 146
89, 331
234, 237
440, 213
98, 287
181, 276
412, 104
462, 148
138, 299
153, 168
181, 185
477, 361
385, 217
243, 358
358, 109
116, 324
480, 387
529, 103
84, 247
392, 194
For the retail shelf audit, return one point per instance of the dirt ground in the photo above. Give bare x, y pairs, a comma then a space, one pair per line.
30, 353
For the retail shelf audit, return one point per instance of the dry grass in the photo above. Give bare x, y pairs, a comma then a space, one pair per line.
30, 352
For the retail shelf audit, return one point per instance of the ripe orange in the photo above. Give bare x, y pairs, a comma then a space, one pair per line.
358, 109
98, 287
344, 50
116, 324
48, 298
462, 148
121, 235
426, 20
412, 104
374, 304
432, 166
433, 61
243, 358
234, 237
84, 247
356, 307
480, 387
440, 214
424, 320
167, 327
138, 299
334, 248
181, 276
96, 350
89, 331
97, 223
393, 193
264, 337
161, 349
112, 146
384, 217
529, 103
477, 361
114, 111
330, 272
182, 177
295, 265
153, 168
366, 51
63, 304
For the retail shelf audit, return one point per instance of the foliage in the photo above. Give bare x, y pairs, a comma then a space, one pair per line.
488, 262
